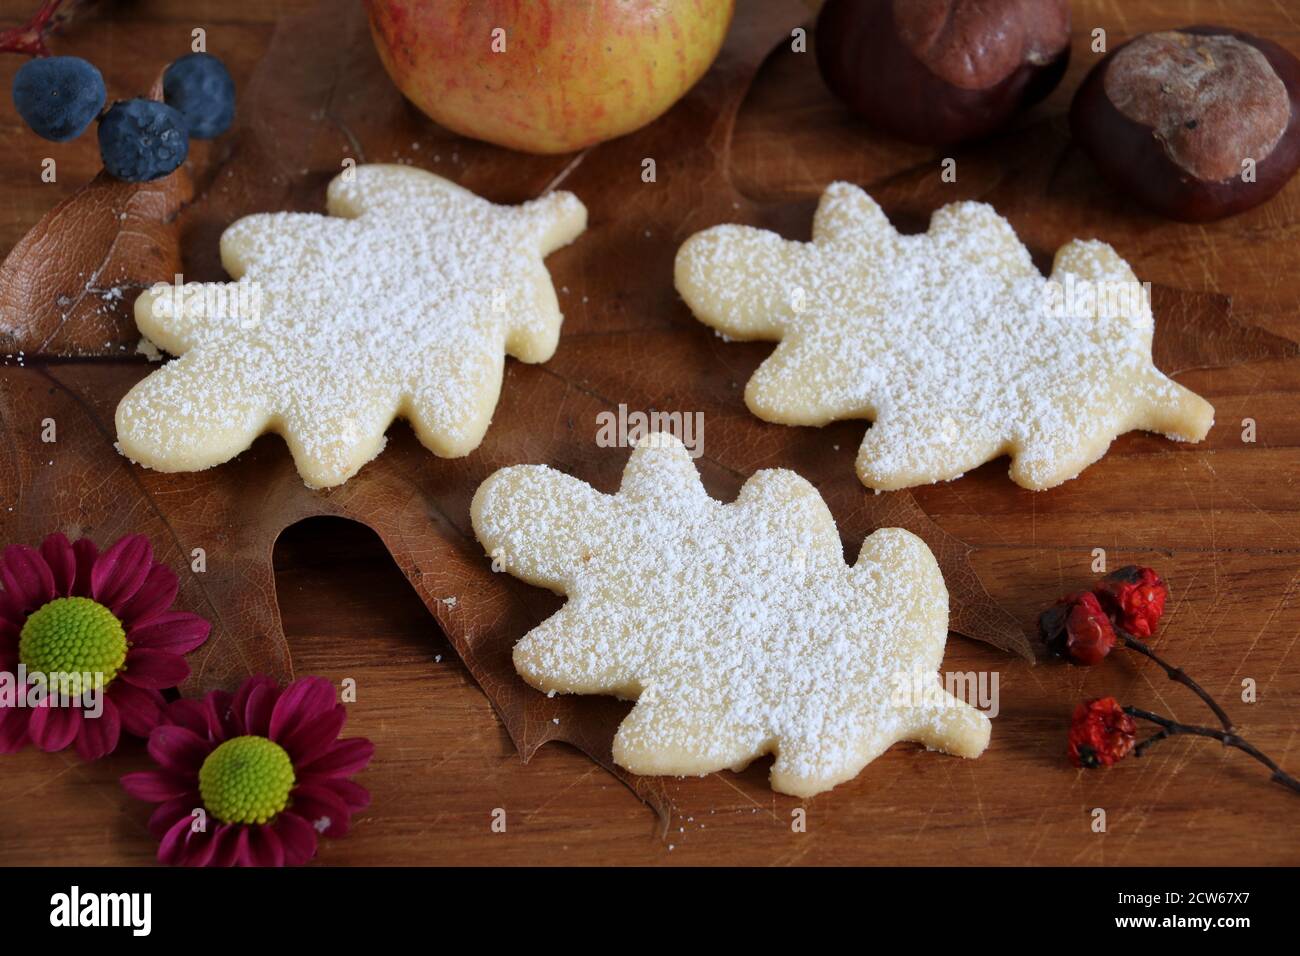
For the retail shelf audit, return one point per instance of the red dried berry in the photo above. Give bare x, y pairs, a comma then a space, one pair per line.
1134, 598
1101, 733
1077, 628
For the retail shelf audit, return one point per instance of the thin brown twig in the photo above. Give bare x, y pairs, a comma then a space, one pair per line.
1172, 728
1178, 675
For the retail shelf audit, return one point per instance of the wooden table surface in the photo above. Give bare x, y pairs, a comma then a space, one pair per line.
1225, 530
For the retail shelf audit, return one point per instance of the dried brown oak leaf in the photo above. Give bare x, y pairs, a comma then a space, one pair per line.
320, 96
67, 287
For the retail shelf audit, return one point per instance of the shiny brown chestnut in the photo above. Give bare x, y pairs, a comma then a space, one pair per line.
1197, 123
942, 71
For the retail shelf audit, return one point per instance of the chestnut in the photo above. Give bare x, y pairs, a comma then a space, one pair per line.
1197, 123
942, 71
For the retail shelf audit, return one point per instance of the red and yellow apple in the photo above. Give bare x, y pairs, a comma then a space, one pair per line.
547, 76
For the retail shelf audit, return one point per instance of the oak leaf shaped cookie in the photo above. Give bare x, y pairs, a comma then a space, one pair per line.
737, 628
401, 302
951, 341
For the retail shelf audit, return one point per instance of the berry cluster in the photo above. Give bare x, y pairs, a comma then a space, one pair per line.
1084, 627
1123, 610
139, 139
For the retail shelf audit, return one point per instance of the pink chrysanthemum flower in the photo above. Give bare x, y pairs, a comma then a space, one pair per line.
251, 778
93, 638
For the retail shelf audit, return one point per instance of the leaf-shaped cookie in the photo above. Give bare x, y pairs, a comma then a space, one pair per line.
737, 628
952, 342
403, 301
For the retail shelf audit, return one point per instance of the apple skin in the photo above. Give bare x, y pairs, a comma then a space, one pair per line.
574, 72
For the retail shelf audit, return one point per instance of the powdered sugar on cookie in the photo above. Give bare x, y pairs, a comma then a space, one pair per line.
737, 628
952, 342
402, 302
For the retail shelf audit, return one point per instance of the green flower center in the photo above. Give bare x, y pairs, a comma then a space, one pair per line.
74, 643
246, 780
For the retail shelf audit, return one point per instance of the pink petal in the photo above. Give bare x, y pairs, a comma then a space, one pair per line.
99, 735
246, 691
141, 710
260, 846
225, 850
343, 759
57, 551
302, 701
259, 706
156, 669
172, 845
322, 808
53, 728
244, 858
26, 576
120, 571
183, 846
177, 749
154, 597
188, 713
222, 716
309, 740
176, 631
352, 793
168, 812
13, 729
158, 786
12, 615
87, 553
200, 847
298, 837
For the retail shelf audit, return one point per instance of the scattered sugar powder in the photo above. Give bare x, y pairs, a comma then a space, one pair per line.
402, 302
737, 627
951, 341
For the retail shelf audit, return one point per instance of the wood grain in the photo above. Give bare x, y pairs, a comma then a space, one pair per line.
1219, 520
